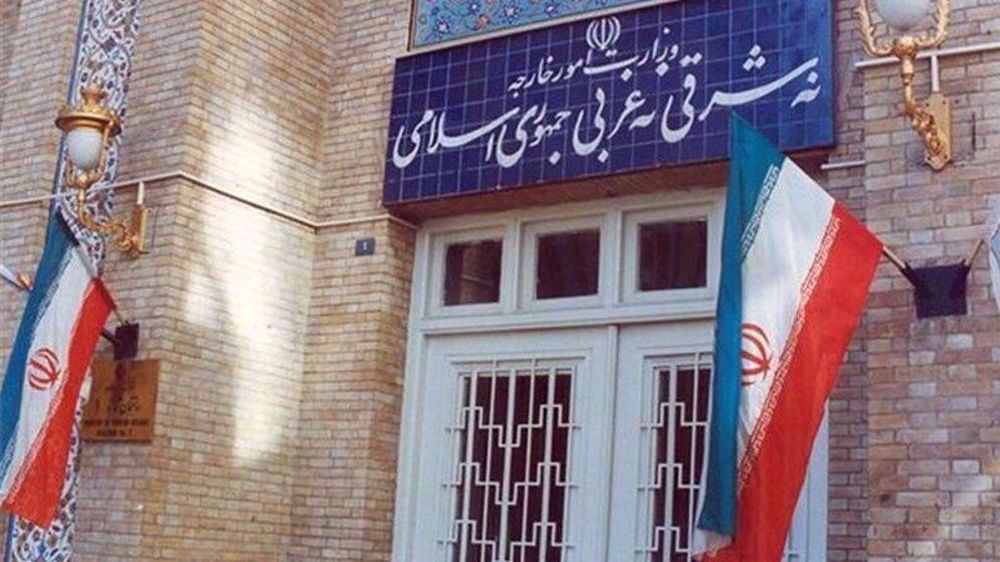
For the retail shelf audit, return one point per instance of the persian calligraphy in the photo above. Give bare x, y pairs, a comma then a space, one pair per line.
606, 89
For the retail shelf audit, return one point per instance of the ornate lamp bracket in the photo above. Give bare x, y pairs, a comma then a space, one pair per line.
931, 119
89, 128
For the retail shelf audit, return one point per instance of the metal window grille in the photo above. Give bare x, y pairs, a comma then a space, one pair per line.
674, 426
511, 485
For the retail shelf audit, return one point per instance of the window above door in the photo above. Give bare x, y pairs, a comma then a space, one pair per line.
654, 257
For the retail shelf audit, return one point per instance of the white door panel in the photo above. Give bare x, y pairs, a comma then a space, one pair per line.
514, 453
660, 426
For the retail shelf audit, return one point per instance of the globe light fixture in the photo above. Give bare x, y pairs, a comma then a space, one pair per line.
930, 119
903, 15
88, 129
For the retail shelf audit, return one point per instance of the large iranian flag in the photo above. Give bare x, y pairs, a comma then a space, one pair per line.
796, 270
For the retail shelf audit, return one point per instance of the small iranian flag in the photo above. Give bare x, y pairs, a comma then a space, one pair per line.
62, 321
796, 270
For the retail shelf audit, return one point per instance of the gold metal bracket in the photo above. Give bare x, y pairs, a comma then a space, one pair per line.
937, 108
930, 119
91, 113
129, 236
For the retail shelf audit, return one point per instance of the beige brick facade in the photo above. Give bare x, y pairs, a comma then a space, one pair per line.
282, 353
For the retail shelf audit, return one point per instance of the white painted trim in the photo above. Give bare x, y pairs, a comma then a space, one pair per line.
523, 312
633, 221
531, 232
585, 351
439, 248
142, 183
818, 495
408, 460
641, 349
932, 54
575, 318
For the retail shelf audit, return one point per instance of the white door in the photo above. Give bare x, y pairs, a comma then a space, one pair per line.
564, 445
661, 424
514, 454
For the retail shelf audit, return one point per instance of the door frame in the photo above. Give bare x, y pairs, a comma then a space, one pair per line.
613, 307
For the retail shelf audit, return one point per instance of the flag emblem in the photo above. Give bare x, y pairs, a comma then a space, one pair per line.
756, 354
43, 369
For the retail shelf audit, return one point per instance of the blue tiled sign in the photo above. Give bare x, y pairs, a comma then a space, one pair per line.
619, 93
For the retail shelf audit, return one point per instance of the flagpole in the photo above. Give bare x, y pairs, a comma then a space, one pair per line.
896, 260
907, 270
902, 265
8, 547
974, 253
118, 315
7, 275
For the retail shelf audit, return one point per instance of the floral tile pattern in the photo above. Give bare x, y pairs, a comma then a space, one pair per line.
438, 21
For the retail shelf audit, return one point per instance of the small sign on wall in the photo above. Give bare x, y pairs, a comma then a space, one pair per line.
122, 405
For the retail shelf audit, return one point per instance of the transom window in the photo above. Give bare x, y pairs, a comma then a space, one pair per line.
673, 254
625, 256
567, 264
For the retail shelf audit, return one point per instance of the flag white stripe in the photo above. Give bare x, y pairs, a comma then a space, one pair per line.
777, 265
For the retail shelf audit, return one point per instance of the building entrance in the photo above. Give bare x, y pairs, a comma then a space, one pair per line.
572, 427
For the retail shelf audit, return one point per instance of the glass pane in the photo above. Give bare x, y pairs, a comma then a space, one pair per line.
472, 272
568, 264
673, 255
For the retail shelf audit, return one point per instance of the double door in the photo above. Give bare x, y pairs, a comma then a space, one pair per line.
569, 445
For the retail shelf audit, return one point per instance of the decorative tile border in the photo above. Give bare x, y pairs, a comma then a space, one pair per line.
442, 21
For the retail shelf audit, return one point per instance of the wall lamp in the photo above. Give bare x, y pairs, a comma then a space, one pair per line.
88, 129
931, 119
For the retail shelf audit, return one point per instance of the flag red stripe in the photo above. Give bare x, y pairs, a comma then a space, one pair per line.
35, 494
767, 501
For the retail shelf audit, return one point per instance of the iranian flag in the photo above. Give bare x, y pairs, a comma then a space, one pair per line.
796, 270
62, 321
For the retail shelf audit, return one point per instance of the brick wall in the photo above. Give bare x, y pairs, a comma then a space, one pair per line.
848, 482
913, 469
934, 388
345, 483
8, 27
227, 91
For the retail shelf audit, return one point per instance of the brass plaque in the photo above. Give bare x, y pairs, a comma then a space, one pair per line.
122, 405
